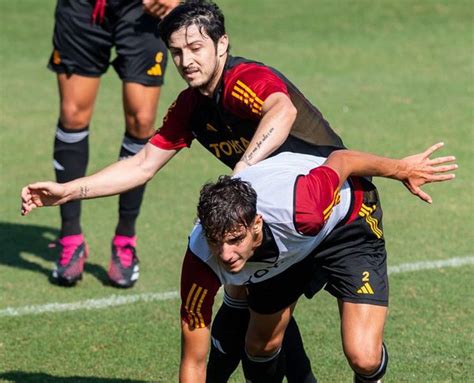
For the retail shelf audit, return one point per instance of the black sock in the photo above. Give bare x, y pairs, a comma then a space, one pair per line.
264, 369
71, 154
298, 365
130, 202
228, 339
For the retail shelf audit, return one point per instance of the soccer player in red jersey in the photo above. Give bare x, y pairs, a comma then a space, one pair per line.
242, 111
84, 35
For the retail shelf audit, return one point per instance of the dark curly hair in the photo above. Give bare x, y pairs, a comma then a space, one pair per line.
225, 205
206, 15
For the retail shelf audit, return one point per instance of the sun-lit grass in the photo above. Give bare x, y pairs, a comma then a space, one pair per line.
391, 77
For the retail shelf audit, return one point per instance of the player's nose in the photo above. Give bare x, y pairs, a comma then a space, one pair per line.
227, 253
186, 59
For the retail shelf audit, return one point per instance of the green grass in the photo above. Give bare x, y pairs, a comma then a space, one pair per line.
391, 77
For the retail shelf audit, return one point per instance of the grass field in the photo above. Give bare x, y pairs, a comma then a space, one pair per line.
391, 76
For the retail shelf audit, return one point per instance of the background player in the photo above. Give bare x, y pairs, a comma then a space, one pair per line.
84, 35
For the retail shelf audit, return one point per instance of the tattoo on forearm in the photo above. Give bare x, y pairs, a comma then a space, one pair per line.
84, 190
248, 157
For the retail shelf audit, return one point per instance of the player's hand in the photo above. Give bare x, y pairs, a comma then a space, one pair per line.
42, 194
159, 8
422, 170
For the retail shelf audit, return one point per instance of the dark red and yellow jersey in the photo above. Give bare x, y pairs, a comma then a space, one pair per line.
225, 123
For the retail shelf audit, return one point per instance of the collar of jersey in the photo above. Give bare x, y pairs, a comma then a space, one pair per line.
268, 250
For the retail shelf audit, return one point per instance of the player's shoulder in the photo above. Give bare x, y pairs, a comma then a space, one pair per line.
248, 71
198, 244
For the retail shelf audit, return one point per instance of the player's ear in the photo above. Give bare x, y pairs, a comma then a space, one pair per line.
257, 224
222, 45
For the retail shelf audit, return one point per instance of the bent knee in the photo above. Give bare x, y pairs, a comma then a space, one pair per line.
364, 361
255, 346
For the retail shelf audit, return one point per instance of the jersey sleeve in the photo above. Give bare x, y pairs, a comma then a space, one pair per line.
316, 194
247, 86
199, 286
175, 132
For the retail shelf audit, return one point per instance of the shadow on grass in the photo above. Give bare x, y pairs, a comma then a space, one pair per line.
26, 377
16, 239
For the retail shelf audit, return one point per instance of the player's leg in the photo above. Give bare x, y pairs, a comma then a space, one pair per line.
264, 360
355, 260
80, 56
227, 347
71, 146
275, 295
228, 335
298, 365
362, 339
77, 96
71, 155
140, 63
140, 103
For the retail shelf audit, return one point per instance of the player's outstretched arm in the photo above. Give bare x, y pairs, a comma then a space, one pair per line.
114, 179
413, 171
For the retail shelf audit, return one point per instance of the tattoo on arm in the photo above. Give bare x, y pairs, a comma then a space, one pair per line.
84, 190
248, 157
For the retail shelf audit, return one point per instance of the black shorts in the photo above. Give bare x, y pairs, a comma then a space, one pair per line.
85, 48
351, 263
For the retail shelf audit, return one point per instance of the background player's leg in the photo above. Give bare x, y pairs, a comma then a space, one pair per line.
141, 64
71, 154
362, 328
140, 104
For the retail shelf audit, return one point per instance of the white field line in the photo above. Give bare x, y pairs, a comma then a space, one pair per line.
119, 300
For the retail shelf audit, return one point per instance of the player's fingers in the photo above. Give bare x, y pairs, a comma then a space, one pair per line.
25, 193
38, 185
422, 195
445, 168
441, 160
433, 148
441, 177
26, 208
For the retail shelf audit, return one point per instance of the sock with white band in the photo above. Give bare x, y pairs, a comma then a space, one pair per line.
71, 155
130, 202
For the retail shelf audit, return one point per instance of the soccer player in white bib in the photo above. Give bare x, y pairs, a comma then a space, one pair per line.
292, 225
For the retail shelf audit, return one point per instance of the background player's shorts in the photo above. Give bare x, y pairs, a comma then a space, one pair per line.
85, 48
351, 263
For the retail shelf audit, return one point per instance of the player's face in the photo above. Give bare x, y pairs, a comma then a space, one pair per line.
199, 60
238, 246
